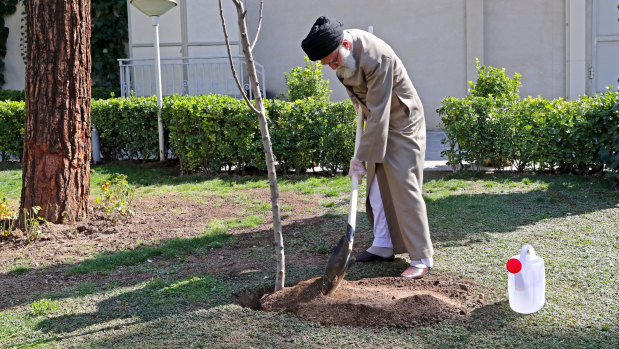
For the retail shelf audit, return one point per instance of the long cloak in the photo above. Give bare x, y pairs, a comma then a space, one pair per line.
394, 142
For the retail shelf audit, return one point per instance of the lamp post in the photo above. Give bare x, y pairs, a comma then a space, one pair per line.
154, 9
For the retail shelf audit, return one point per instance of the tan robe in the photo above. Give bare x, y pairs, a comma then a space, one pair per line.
394, 142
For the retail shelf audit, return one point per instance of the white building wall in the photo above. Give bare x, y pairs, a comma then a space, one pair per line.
528, 37
14, 66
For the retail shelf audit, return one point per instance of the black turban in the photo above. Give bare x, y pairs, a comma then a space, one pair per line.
326, 35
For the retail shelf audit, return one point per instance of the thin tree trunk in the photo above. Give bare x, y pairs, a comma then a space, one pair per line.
56, 159
259, 109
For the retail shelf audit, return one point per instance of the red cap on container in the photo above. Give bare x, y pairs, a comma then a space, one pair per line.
513, 265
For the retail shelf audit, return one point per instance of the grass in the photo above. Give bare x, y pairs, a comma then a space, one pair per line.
478, 222
213, 238
20, 269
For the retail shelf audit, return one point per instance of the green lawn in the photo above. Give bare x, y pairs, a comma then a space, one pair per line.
478, 222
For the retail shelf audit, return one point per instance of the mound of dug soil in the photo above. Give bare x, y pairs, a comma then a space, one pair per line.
378, 302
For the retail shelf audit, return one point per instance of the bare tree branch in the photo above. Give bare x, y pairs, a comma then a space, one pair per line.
236, 79
259, 24
278, 239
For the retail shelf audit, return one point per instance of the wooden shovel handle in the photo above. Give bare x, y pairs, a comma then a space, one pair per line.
354, 182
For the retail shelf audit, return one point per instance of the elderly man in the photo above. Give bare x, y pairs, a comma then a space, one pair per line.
392, 145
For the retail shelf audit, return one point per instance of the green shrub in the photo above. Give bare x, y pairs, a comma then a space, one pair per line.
12, 118
493, 82
307, 82
481, 127
209, 133
492, 123
214, 132
12, 95
338, 136
127, 127
297, 132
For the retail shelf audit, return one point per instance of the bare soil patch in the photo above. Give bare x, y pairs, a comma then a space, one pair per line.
378, 302
157, 219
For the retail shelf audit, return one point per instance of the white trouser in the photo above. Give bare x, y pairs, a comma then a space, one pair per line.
381, 230
382, 244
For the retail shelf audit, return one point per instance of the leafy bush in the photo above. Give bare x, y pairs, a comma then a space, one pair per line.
7, 216
12, 118
127, 127
117, 197
337, 136
307, 82
211, 133
12, 95
481, 127
492, 123
493, 82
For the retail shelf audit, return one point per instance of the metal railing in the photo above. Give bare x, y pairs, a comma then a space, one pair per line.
187, 76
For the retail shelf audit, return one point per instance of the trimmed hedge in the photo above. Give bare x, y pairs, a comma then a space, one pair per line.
12, 95
213, 132
580, 136
12, 116
127, 127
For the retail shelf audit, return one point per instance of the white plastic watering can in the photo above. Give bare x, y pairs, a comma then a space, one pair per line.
526, 281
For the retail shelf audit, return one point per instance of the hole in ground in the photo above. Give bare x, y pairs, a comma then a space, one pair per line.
251, 298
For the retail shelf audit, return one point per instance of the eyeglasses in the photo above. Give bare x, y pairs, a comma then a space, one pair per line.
337, 56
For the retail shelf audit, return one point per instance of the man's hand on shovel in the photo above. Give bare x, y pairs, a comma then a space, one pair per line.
357, 169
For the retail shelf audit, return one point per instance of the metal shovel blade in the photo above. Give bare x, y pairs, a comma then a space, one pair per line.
338, 263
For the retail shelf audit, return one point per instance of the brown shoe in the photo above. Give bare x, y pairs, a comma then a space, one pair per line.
415, 273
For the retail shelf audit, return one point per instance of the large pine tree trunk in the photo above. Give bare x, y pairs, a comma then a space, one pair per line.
56, 160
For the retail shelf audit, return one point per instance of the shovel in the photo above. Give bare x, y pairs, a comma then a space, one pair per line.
341, 258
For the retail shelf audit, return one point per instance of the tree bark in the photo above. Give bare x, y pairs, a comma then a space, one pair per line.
56, 159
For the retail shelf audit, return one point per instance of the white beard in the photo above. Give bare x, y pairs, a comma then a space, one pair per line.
348, 65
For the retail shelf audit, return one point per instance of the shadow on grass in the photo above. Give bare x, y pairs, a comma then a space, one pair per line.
156, 299
94, 272
151, 173
455, 216
491, 326
497, 325
168, 248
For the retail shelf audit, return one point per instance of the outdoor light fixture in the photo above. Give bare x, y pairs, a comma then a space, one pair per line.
154, 9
